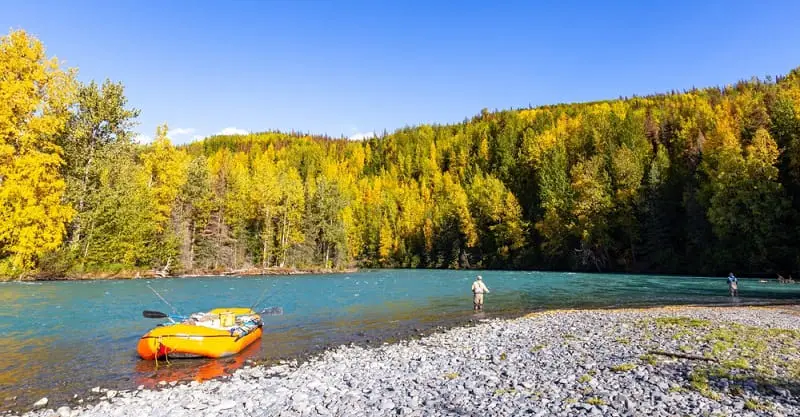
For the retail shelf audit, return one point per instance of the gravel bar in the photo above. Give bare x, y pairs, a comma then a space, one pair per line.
698, 361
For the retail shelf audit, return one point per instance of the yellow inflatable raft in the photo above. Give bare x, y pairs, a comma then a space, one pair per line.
218, 333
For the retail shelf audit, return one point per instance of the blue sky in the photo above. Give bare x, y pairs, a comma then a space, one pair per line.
353, 67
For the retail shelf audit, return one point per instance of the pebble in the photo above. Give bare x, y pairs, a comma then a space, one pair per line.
40, 404
226, 405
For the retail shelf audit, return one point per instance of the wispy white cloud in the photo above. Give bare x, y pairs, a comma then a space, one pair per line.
232, 131
180, 131
195, 137
362, 135
143, 139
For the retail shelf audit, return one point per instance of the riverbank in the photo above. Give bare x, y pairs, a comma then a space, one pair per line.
196, 273
661, 361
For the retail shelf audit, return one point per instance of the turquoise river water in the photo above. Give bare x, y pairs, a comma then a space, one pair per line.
63, 338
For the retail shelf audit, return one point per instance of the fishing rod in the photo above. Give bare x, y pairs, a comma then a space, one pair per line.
174, 310
267, 311
260, 298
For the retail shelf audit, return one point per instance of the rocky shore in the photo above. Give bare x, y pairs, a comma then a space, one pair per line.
660, 362
194, 273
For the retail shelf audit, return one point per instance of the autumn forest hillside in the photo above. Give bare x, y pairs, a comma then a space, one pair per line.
694, 182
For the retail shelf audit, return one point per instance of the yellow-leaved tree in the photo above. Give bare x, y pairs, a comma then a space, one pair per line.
35, 95
166, 169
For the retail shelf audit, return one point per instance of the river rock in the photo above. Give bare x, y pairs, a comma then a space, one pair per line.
386, 404
226, 405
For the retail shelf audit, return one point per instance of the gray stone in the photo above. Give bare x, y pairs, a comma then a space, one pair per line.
40, 404
630, 405
226, 405
387, 404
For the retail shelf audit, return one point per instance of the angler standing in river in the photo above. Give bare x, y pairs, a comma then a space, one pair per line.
478, 289
733, 285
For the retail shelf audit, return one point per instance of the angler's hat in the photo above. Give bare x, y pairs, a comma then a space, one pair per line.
480, 277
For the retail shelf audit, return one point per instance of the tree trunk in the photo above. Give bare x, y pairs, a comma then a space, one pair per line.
217, 240
76, 237
191, 244
88, 240
265, 241
284, 238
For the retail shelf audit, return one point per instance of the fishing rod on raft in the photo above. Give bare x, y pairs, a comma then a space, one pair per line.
271, 311
158, 314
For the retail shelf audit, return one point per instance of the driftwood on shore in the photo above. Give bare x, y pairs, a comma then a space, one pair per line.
166, 272
163, 272
681, 355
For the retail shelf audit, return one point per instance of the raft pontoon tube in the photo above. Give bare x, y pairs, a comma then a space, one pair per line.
218, 333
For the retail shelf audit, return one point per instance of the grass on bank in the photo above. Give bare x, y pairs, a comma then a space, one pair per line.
625, 367
596, 401
738, 357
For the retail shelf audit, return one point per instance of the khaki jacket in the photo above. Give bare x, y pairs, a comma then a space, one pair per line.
479, 288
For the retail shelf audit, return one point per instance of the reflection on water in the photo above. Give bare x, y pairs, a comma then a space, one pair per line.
15, 354
62, 338
150, 373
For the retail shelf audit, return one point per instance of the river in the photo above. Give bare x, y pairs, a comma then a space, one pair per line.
62, 338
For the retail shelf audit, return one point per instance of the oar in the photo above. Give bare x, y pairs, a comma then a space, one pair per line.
154, 314
159, 315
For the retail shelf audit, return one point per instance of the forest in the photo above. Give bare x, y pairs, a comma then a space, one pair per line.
702, 181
